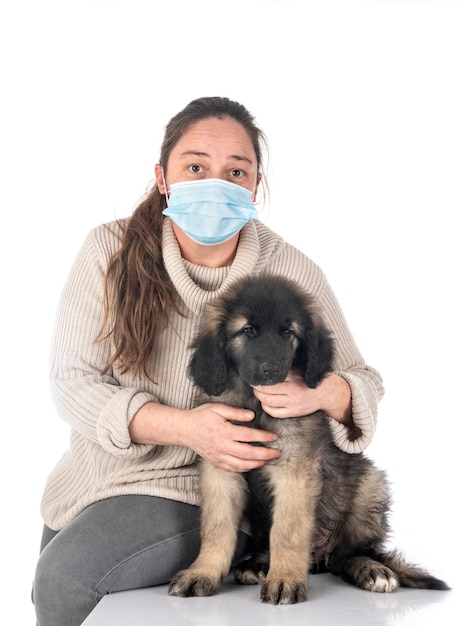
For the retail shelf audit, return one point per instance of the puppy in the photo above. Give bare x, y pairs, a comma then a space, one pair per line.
316, 508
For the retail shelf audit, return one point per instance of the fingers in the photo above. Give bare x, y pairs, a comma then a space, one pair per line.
232, 413
291, 398
230, 445
275, 403
244, 457
244, 434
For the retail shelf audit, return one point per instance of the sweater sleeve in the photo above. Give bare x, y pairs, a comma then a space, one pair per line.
92, 402
365, 382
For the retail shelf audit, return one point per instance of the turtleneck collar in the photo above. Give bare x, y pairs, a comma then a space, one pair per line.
196, 285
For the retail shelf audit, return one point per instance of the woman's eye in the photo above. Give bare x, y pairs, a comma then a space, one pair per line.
237, 173
195, 169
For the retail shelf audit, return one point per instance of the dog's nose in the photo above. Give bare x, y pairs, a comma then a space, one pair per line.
269, 369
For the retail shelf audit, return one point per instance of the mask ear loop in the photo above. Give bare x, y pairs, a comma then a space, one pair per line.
164, 184
261, 201
258, 194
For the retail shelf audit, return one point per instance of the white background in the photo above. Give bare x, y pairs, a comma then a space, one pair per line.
363, 102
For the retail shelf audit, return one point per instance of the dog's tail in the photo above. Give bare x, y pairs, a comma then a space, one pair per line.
410, 575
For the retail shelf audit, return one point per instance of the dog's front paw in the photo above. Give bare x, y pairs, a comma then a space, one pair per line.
187, 584
284, 591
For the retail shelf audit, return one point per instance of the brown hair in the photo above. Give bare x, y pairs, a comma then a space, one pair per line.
139, 297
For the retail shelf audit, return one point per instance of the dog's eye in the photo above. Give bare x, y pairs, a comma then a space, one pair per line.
249, 330
287, 333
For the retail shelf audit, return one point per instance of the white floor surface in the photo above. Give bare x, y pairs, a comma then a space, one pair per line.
331, 603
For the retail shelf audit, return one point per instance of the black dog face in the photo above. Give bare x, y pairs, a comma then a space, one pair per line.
258, 330
262, 350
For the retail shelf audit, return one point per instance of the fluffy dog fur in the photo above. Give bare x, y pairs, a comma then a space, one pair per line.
316, 507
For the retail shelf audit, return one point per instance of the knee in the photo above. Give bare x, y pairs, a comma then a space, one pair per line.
59, 594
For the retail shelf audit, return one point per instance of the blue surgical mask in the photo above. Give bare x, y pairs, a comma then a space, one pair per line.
210, 211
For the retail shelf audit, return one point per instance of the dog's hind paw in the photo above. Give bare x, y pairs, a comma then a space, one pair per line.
188, 584
382, 581
247, 577
367, 573
252, 570
281, 591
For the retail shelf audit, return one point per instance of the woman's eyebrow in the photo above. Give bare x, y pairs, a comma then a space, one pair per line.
233, 157
194, 153
238, 157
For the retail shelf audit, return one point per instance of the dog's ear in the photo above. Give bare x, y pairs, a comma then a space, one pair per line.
317, 353
208, 366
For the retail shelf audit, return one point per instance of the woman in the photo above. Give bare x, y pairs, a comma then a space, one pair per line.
121, 506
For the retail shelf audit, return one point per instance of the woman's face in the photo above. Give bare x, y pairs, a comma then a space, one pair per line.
212, 148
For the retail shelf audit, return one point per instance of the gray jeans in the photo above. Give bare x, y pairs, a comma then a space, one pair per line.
125, 542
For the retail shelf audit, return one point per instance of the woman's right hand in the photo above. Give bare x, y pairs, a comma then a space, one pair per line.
209, 431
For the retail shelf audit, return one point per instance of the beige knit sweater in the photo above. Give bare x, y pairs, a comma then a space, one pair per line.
102, 461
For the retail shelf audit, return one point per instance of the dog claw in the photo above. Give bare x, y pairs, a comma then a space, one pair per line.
186, 585
283, 592
382, 584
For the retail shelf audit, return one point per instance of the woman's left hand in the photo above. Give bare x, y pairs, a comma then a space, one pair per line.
293, 398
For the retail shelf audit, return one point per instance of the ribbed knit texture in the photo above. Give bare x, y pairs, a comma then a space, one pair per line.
101, 460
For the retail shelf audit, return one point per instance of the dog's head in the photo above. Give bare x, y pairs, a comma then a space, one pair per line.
258, 330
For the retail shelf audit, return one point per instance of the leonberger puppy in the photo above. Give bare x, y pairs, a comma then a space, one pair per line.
315, 508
